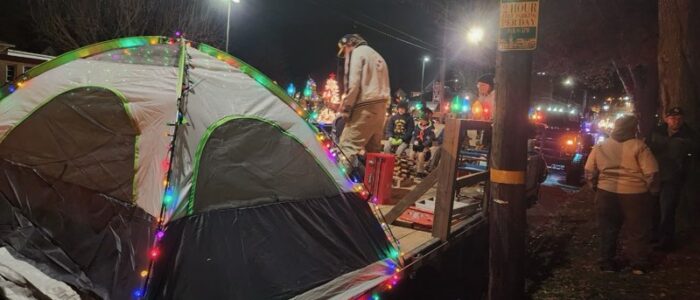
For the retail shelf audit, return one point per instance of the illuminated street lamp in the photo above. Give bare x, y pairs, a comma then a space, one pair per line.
568, 82
228, 20
475, 35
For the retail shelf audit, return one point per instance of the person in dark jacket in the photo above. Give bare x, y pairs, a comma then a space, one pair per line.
439, 129
399, 130
423, 138
673, 143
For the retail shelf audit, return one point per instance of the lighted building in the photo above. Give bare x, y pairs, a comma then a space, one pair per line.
14, 63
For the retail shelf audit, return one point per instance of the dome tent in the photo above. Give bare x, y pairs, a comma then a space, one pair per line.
116, 147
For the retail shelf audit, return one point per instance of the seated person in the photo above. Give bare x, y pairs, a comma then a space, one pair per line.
399, 130
423, 138
435, 149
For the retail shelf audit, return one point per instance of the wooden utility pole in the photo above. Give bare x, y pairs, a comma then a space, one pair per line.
507, 220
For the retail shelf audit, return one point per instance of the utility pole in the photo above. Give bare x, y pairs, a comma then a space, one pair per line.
422, 74
443, 62
228, 23
228, 20
507, 219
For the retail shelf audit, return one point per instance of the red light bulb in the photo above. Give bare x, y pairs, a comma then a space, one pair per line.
155, 252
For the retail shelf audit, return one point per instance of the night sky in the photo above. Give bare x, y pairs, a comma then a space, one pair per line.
289, 40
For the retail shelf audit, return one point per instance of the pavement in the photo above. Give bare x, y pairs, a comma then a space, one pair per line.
562, 254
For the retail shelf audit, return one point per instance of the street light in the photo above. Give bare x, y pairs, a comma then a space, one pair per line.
228, 20
568, 82
426, 59
475, 35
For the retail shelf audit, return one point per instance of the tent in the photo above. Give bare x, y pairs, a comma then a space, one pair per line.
158, 167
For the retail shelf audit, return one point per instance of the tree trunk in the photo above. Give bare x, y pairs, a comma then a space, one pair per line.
679, 73
646, 96
678, 67
642, 84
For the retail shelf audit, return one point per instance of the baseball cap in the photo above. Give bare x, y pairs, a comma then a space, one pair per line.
350, 39
674, 111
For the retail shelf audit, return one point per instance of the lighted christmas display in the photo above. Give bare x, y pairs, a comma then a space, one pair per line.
331, 91
331, 99
291, 90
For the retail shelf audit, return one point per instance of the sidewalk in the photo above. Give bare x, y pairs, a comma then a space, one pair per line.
563, 249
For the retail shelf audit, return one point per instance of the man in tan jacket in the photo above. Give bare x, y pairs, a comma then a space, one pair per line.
622, 171
365, 99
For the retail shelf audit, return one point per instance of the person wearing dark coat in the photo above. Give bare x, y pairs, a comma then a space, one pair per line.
423, 139
674, 145
399, 130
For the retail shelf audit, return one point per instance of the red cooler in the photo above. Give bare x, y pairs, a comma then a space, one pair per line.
379, 169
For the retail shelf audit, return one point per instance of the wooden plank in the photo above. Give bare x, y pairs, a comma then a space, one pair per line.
400, 232
471, 179
414, 240
452, 136
413, 196
474, 124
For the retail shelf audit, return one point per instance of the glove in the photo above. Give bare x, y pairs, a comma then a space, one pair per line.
395, 141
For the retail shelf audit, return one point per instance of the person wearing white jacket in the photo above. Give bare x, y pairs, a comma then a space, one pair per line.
366, 97
622, 170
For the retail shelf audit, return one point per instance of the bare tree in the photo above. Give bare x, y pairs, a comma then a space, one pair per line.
69, 24
594, 39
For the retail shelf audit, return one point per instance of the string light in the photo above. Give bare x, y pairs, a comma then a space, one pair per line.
155, 252
138, 293
168, 198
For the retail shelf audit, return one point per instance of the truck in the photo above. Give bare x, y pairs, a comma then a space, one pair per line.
564, 142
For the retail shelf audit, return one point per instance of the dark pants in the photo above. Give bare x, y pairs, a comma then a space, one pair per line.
667, 204
634, 210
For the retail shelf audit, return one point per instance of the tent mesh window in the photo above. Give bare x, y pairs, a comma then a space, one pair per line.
84, 137
247, 161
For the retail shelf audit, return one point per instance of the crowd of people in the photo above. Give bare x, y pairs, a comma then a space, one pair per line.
418, 140
361, 126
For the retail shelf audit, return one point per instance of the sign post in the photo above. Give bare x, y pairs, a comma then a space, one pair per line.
518, 25
507, 219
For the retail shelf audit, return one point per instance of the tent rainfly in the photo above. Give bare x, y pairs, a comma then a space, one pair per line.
159, 168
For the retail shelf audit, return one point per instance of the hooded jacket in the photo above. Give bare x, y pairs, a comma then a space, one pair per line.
622, 164
400, 126
366, 78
